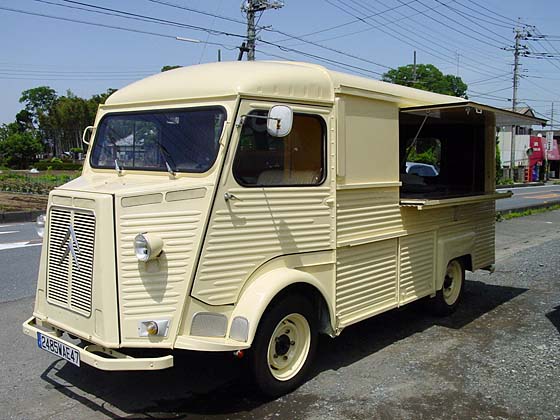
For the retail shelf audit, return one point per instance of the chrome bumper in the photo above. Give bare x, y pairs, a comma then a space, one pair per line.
98, 356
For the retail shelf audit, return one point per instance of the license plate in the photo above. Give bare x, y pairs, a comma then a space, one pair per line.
60, 349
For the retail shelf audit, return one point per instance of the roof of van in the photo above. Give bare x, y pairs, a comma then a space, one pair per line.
273, 79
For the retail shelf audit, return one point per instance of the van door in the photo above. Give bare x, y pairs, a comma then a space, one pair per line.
274, 198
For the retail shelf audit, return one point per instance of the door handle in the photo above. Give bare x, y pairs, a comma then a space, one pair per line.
229, 196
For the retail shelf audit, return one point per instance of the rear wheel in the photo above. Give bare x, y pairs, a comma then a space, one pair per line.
448, 298
284, 346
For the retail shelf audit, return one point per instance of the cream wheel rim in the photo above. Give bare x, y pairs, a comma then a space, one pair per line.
452, 282
289, 346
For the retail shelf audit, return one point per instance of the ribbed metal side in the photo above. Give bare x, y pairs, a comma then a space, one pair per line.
258, 226
366, 279
417, 266
156, 288
69, 284
363, 213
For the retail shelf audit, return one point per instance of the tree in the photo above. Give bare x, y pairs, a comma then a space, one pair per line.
427, 77
17, 147
167, 68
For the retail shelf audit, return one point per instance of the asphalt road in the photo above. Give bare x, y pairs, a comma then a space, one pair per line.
20, 249
496, 357
530, 196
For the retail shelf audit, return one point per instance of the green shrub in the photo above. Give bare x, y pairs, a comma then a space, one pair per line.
58, 165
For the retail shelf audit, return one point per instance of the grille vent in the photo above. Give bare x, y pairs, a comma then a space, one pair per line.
69, 280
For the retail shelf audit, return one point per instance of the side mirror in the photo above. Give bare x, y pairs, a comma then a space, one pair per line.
84, 135
279, 122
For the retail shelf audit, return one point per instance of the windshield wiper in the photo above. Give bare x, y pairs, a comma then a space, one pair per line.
166, 155
118, 167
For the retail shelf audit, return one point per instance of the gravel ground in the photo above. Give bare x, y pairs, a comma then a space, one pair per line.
497, 357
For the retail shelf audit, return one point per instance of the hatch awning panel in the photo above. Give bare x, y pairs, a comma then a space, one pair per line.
451, 111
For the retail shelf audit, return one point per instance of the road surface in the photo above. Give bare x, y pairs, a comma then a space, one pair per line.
497, 357
530, 196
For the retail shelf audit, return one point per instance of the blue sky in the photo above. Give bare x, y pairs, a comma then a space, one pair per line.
461, 37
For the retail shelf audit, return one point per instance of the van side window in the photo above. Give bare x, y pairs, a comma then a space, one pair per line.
295, 160
442, 156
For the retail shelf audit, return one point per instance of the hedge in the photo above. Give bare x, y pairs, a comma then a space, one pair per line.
44, 165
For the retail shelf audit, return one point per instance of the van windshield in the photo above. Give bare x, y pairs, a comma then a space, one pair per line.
185, 140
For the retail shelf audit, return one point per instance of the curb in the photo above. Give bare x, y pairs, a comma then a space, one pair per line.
20, 216
529, 184
533, 207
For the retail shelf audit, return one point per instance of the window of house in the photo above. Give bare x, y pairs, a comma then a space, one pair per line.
297, 159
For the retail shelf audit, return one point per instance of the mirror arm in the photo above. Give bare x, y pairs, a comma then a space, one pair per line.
241, 119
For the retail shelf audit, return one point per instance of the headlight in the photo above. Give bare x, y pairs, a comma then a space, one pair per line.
147, 246
40, 225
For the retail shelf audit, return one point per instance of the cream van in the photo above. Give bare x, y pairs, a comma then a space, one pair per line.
250, 206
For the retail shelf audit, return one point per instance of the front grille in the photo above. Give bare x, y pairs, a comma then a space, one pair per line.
70, 274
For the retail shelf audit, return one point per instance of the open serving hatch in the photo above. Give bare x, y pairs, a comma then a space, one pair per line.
447, 152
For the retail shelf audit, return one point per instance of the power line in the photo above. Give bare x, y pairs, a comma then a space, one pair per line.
483, 41
120, 28
407, 39
201, 12
193, 27
430, 39
467, 17
352, 21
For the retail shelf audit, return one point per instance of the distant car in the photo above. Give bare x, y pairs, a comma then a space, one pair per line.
421, 169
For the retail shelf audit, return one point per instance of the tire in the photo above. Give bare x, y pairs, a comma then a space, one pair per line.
284, 346
449, 296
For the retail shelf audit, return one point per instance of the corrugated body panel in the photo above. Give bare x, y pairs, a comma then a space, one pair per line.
363, 213
257, 226
417, 266
483, 220
366, 279
155, 289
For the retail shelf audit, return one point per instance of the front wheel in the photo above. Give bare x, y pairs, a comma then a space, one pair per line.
448, 298
284, 346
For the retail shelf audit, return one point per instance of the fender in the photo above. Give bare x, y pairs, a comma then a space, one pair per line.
257, 296
450, 247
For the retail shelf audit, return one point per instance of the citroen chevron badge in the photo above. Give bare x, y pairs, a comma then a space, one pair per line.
72, 246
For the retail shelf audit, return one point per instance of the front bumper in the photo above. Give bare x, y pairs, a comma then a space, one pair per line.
98, 356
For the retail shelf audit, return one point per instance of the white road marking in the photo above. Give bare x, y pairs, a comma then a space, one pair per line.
14, 224
9, 231
15, 245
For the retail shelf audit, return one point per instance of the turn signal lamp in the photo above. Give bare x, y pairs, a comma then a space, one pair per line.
151, 328
40, 225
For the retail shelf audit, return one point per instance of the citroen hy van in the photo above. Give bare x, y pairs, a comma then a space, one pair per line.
247, 207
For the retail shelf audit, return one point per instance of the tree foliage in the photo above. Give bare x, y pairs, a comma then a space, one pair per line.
427, 77
167, 68
58, 120
18, 147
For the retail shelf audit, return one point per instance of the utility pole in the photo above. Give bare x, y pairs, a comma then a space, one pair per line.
414, 68
518, 50
516, 53
251, 8
552, 117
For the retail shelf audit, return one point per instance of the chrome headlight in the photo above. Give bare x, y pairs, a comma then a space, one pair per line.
40, 225
147, 246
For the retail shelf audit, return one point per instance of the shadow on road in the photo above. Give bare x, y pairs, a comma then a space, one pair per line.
554, 317
203, 385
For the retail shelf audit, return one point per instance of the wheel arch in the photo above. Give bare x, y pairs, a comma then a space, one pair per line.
450, 248
277, 284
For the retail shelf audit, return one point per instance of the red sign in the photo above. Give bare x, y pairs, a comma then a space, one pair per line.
536, 145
